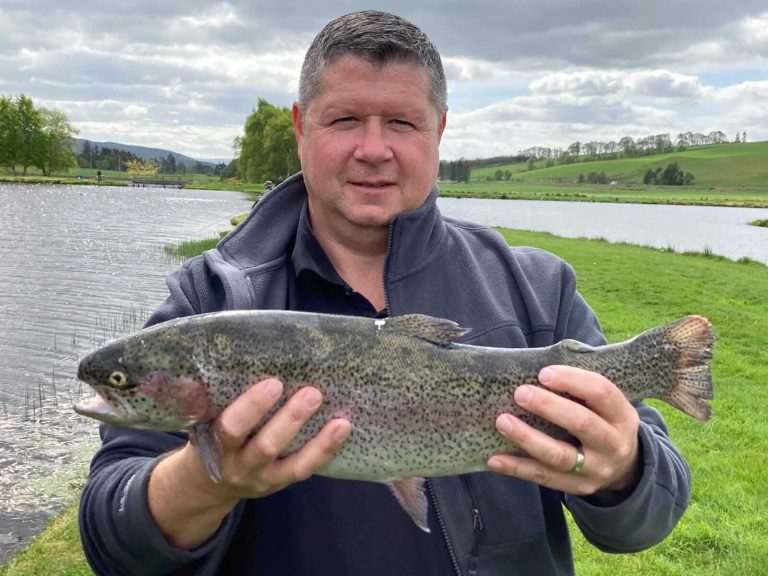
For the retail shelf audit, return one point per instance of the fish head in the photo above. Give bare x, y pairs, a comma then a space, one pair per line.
147, 381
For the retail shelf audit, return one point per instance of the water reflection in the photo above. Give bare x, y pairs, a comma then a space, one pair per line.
78, 266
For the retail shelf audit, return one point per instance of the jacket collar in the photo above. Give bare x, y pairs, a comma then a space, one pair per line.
267, 236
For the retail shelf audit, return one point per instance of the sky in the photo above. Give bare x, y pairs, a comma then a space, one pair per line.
184, 75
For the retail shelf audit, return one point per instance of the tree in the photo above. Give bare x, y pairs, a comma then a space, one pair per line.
137, 166
29, 127
9, 143
54, 148
268, 147
671, 175
168, 164
85, 158
230, 171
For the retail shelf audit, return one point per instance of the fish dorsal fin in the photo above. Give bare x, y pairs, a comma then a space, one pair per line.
575, 346
410, 494
436, 330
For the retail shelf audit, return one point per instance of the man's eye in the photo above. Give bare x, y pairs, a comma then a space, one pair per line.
400, 123
345, 121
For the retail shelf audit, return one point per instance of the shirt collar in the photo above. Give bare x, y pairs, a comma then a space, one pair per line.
309, 255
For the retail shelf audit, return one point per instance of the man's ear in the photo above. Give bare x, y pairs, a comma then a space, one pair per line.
441, 126
298, 123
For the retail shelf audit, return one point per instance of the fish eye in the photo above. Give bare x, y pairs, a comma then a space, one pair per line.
117, 379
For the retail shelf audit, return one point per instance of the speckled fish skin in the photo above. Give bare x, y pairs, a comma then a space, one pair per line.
420, 404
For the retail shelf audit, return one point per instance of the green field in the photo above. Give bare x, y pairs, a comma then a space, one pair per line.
631, 288
722, 165
726, 175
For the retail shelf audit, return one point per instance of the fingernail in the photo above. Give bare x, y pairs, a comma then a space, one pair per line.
341, 432
505, 423
312, 398
273, 388
546, 375
494, 463
523, 394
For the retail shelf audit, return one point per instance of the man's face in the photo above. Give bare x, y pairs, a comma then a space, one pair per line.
368, 144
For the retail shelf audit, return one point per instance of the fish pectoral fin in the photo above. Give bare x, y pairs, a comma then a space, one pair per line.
208, 443
410, 494
436, 330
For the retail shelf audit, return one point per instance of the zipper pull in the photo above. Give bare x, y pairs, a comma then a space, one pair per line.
477, 520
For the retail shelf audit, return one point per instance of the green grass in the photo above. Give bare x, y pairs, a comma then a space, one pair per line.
723, 165
631, 288
762, 223
56, 552
724, 532
631, 193
189, 248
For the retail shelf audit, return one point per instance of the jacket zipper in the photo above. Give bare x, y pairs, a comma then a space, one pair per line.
477, 528
385, 273
443, 530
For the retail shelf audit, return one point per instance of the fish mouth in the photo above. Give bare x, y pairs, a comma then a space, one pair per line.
98, 408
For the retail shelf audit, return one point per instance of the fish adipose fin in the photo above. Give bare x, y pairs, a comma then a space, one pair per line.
436, 330
693, 338
208, 444
410, 494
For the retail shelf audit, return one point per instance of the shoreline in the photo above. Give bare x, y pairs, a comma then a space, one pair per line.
668, 195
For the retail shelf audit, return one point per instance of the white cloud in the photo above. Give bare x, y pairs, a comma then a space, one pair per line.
186, 74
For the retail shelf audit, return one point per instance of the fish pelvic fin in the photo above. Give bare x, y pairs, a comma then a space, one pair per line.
436, 330
693, 339
409, 492
208, 443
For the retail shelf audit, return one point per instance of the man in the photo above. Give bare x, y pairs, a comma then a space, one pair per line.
358, 232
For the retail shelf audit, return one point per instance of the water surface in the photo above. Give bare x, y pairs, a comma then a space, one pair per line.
78, 265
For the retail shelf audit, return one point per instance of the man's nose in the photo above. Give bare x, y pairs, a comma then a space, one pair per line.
373, 145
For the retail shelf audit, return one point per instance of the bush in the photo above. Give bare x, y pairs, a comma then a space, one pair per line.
670, 175
595, 178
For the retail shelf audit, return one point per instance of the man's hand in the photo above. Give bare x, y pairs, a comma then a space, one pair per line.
606, 426
251, 466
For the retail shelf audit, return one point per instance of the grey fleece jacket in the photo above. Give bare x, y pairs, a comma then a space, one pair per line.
520, 297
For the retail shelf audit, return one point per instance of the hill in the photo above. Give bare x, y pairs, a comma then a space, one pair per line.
146, 153
720, 166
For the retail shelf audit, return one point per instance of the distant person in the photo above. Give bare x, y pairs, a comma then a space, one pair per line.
267, 187
358, 232
98, 175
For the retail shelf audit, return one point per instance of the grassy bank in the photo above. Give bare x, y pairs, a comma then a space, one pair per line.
632, 289
627, 193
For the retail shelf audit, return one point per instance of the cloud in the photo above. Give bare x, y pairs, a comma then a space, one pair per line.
186, 74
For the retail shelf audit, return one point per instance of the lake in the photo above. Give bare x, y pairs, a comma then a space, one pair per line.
723, 231
78, 265
82, 264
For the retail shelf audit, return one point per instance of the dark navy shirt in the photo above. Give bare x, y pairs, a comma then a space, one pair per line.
324, 526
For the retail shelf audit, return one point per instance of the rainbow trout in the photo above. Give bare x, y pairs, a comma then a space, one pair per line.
420, 403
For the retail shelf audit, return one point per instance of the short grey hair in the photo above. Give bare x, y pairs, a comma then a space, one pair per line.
379, 38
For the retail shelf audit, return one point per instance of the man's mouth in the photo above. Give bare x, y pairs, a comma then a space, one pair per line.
372, 184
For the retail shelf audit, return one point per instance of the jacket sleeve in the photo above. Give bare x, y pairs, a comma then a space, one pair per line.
118, 533
648, 514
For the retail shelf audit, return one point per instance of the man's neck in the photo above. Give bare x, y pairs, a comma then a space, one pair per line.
360, 262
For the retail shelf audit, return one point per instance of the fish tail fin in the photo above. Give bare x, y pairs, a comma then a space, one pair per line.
692, 338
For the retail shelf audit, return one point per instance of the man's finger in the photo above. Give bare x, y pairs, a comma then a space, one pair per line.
597, 392
283, 426
313, 455
239, 418
572, 416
